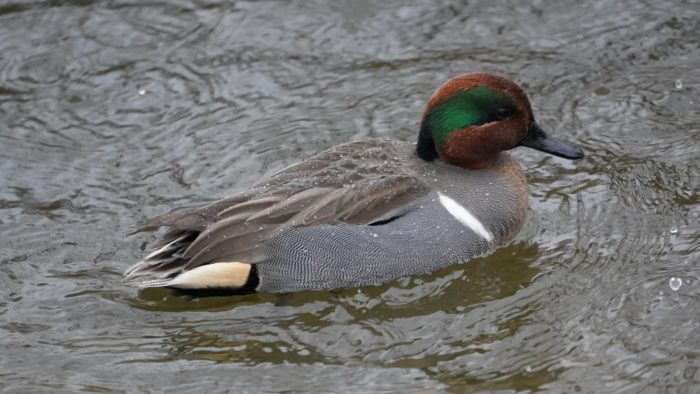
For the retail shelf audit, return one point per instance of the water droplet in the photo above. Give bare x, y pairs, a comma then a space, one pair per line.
678, 84
675, 283
142, 91
674, 230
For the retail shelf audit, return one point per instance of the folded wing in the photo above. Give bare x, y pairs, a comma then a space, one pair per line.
358, 183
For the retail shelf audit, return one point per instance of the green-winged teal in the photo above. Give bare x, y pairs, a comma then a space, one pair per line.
367, 212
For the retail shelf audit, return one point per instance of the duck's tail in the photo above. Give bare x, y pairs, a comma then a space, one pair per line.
160, 267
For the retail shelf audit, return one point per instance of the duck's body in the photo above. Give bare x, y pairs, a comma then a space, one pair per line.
362, 213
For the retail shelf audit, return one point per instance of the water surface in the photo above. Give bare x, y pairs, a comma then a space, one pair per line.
112, 112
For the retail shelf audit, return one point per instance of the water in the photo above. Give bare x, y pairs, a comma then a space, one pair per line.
114, 112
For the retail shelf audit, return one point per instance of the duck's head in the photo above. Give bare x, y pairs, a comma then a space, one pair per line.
475, 116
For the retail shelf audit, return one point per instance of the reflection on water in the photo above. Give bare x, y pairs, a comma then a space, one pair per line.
111, 113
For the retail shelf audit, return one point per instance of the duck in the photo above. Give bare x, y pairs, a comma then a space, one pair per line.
366, 212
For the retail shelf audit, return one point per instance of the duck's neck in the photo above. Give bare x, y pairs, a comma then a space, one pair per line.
473, 165
425, 149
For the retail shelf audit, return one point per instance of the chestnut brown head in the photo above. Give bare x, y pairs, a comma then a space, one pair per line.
473, 117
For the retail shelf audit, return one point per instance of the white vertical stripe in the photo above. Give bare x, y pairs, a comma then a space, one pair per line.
465, 217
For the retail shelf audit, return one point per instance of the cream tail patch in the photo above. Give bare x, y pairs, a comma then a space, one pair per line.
215, 275
464, 216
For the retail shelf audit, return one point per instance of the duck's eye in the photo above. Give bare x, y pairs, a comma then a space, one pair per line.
502, 113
